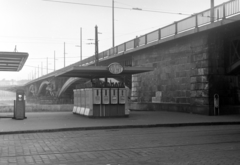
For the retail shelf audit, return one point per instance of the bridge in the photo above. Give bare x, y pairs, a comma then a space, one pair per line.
193, 59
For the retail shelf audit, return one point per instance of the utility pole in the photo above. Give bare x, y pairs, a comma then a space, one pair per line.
41, 69
212, 11
113, 23
54, 61
47, 65
96, 45
64, 56
80, 44
35, 76
38, 70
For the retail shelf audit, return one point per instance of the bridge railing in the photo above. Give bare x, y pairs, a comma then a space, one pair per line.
221, 12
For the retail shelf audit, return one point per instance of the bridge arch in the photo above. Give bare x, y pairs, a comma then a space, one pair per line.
41, 87
32, 90
68, 83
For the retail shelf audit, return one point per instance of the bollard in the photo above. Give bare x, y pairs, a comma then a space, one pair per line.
216, 104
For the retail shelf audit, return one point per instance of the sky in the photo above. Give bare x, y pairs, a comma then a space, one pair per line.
41, 27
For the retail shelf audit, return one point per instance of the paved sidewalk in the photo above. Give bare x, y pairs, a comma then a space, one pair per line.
60, 121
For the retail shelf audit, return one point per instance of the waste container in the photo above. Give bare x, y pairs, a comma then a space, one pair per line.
19, 105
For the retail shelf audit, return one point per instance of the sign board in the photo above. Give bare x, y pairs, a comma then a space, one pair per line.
115, 68
114, 95
105, 96
96, 95
122, 95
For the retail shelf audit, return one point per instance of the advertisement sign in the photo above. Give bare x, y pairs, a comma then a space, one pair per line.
114, 95
105, 96
115, 68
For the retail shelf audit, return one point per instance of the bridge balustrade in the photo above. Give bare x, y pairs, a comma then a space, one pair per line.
187, 24
129, 45
121, 48
142, 40
168, 31
111, 51
100, 56
218, 13
203, 18
232, 7
153, 36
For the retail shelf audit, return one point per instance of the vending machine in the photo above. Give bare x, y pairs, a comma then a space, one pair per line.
19, 105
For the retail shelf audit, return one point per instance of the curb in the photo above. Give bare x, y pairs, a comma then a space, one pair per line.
121, 127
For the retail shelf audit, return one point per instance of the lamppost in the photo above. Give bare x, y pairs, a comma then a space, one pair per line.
113, 40
80, 51
80, 46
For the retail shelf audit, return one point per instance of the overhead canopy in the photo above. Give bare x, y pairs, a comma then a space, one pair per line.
12, 61
100, 71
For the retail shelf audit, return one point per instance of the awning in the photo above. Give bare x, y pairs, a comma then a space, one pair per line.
12, 61
100, 71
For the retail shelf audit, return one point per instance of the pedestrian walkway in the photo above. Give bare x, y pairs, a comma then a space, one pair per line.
61, 121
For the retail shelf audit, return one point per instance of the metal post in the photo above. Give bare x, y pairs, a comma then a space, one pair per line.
35, 76
224, 11
41, 69
80, 44
212, 11
113, 23
159, 34
54, 61
64, 56
47, 65
176, 28
96, 45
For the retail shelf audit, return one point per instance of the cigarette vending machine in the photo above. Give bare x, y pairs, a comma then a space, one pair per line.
19, 105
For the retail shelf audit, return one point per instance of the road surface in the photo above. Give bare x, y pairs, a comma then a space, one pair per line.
210, 145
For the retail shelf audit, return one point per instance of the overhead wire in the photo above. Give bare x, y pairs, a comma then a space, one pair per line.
123, 8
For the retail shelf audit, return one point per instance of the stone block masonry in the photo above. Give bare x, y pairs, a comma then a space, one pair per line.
180, 70
188, 71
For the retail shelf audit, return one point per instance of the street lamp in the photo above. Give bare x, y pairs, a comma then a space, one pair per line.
113, 35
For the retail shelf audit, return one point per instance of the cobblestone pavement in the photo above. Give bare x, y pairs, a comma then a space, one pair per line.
210, 145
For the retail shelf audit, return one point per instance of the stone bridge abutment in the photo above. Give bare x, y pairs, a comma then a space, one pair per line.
188, 72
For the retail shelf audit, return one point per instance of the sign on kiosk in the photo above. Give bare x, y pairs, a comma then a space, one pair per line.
114, 95
105, 96
96, 95
122, 95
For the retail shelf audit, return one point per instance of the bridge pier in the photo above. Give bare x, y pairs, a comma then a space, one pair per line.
188, 72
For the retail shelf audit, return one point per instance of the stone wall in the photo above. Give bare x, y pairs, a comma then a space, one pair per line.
180, 72
188, 72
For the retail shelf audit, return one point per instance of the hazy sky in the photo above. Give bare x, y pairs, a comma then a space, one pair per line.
41, 27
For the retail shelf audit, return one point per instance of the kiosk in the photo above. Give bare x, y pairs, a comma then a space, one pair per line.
101, 98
